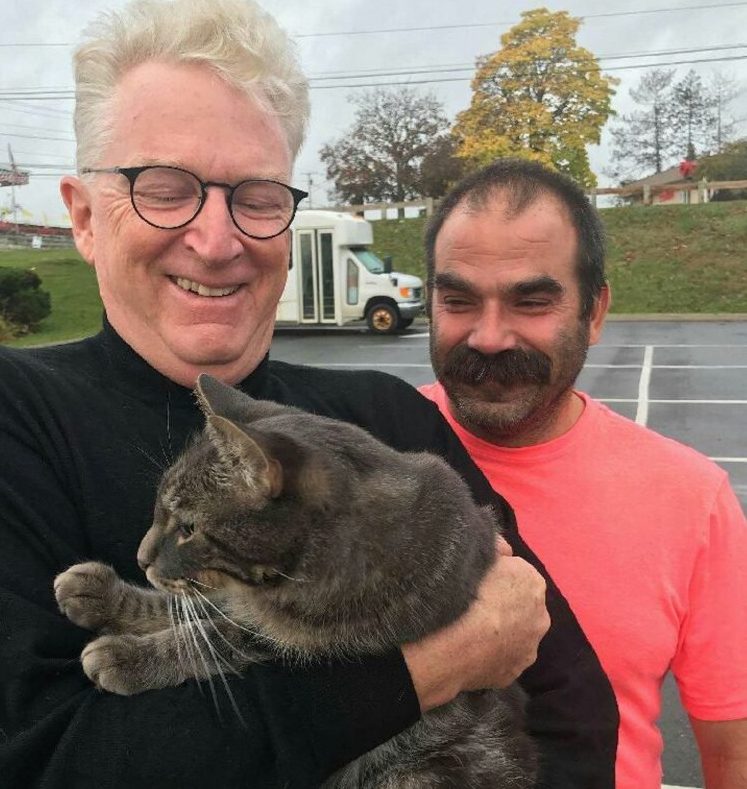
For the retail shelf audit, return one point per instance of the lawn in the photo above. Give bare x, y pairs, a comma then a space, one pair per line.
76, 307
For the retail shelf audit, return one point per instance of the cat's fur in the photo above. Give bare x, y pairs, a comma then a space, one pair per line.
321, 541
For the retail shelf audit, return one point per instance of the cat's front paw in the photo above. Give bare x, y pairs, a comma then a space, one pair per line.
88, 593
113, 663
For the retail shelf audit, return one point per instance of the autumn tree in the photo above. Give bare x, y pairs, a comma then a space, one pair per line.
391, 153
645, 140
541, 96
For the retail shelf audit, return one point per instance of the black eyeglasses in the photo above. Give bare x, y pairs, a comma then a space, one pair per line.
170, 197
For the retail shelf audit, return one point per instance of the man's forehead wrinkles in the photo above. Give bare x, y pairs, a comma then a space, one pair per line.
244, 175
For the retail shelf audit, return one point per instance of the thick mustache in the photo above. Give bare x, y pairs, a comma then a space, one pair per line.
512, 366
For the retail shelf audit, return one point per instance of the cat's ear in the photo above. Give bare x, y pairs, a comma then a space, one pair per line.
215, 397
240, 451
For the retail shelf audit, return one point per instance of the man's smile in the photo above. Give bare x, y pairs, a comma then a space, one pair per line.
203, 290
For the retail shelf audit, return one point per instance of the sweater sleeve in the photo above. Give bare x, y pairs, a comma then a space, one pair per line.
57, 731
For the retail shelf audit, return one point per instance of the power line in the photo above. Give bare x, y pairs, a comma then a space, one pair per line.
518, 74
54, 166
36, 137
30, 128
32, 109
445, 67
37, 153
513, 22
423, 28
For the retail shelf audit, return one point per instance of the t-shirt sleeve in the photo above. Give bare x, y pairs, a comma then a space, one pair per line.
710, 665
58, 731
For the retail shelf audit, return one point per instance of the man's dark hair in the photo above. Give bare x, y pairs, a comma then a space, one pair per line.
520, 183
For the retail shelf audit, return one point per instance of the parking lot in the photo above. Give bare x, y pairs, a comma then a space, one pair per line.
686, 380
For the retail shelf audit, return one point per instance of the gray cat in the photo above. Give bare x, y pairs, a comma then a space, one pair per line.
281, 533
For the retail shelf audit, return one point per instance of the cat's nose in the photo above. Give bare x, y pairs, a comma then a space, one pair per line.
146, 552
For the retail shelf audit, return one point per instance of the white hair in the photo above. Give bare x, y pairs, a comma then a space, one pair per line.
236, 38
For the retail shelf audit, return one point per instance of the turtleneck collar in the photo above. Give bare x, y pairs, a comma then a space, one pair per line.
127, 370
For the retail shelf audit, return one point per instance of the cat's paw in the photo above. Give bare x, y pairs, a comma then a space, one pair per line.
87, 594
113, 663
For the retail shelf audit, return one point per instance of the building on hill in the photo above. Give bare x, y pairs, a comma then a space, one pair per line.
678, 185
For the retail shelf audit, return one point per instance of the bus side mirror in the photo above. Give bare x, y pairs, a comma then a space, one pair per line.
387, 264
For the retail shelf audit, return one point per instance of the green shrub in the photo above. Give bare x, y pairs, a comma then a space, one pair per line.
23, 303
7, 331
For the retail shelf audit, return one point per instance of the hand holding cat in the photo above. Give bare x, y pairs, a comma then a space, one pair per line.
492, 643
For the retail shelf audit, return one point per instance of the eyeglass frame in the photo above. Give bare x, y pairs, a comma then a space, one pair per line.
131, 174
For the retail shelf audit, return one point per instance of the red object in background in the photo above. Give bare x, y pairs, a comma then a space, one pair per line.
687, 168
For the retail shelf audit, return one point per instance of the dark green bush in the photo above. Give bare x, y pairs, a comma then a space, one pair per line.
23, 302
7, 331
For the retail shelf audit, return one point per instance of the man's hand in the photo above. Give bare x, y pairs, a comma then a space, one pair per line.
492, 643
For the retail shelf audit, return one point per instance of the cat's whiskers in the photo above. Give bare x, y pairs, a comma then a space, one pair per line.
175, 630
228, 619
217, 658
291, 578
233, 647
186, 627
205, 616
161, 467
195, 628
198, 583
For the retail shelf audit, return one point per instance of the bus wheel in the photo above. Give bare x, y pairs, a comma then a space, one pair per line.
383, 318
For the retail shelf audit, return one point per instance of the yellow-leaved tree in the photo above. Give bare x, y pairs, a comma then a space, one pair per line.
541, 96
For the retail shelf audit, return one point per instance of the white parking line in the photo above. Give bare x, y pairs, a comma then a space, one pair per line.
672, 402
644, 383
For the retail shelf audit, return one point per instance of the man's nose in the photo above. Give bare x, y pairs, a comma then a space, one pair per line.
492, 332
212, 234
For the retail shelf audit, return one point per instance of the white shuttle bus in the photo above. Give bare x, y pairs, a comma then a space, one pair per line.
335, 278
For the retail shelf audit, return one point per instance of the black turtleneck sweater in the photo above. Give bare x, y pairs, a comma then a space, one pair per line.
85, 431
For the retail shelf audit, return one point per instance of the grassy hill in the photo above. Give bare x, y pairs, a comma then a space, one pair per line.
76, 307
690, 259
662, 259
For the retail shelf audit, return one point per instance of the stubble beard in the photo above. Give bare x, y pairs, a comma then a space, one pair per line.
513, 397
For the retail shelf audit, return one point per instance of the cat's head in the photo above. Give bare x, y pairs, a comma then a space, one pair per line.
239, 507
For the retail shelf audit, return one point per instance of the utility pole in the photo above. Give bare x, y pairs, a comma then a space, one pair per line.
13, 177
309, 187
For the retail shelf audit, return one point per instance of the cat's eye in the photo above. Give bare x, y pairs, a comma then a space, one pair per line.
185, 530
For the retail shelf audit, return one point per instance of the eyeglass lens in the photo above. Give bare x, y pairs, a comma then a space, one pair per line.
170, 198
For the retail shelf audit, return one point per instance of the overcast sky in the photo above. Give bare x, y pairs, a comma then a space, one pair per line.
331, 39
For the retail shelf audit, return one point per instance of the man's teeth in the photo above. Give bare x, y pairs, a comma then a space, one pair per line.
203, 290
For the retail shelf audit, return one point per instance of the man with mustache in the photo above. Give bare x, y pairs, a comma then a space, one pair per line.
644, 536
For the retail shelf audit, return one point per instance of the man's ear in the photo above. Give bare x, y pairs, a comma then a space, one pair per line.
599, 313
77, 197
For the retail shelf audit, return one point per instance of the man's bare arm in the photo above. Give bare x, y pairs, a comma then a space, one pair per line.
723, 752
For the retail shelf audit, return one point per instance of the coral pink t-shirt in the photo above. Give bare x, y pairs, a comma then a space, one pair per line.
647, 541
